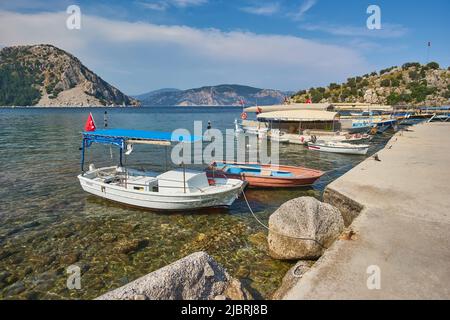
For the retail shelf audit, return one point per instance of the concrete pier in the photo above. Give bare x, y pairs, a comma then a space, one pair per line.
399, 208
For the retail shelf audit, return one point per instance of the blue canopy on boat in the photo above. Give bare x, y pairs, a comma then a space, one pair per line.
119, 136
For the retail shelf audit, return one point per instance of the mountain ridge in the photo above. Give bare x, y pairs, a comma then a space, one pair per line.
217, 95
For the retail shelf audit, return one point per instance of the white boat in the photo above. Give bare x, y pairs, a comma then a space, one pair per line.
343, 137
338, 147
277, 135
260, 132
179, 189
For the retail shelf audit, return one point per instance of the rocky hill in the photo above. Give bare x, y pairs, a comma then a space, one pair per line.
411, 84
221, 95
44, 75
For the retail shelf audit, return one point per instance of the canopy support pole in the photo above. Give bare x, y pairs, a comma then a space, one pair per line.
184, 177
120, 156
82, 155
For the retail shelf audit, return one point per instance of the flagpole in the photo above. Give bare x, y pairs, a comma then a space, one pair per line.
428, 51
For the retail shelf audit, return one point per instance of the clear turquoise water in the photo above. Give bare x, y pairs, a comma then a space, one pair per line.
48, 223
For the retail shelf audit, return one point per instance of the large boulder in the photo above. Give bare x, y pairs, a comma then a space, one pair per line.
195, 277
303, 228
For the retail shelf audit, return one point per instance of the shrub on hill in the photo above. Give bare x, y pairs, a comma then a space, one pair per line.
17, 86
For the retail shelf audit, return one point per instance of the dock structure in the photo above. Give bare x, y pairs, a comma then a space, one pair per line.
398, 207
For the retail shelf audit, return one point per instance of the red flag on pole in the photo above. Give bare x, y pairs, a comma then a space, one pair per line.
90, 124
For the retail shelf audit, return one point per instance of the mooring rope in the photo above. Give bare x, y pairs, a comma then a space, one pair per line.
276, 232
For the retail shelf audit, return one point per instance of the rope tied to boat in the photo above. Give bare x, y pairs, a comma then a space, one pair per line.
276, 232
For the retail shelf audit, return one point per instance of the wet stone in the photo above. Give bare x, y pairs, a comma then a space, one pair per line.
129, 246
70, 258
31, 225
108, 237
15, 289
6, 253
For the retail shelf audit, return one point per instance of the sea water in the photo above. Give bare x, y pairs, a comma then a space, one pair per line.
47, 223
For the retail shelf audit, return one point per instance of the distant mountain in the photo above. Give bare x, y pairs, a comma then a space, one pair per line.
221, 95
45, 75
148, 95
411, 84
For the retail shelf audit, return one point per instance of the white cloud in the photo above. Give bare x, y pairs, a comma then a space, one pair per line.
387, 30
264, 9
188, 3
181, 56
162, 5
304, 7
158, 6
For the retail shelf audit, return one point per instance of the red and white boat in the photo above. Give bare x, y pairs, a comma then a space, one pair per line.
265, 176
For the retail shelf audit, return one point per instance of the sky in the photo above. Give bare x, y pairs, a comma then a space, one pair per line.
144, 45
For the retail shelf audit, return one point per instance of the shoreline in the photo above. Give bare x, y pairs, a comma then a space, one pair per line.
113, 107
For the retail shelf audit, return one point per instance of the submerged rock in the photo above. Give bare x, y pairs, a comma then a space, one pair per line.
292, 277
302, 228
69, 258
15, 288
129, 246
195, 277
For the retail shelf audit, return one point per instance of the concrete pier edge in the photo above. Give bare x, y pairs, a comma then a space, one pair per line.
399, 209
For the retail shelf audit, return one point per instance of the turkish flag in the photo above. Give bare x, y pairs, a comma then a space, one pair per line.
308, 101
90, 124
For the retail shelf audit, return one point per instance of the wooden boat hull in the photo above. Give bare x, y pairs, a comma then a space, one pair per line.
300, 176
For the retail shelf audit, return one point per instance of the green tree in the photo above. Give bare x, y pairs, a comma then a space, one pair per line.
411, 64
393, 99
433, 65
395, 83
385, 83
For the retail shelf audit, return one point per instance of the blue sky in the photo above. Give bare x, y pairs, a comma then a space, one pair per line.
144, 45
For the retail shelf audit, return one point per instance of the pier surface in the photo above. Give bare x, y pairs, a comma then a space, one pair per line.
403, 227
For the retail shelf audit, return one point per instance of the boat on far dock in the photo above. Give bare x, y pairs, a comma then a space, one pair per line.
265, 176
277, 135
338, 147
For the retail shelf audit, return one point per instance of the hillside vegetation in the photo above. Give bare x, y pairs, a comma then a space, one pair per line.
410, 84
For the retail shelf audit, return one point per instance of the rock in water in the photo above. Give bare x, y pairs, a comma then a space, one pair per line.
303, 217
291, 278
195, 277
